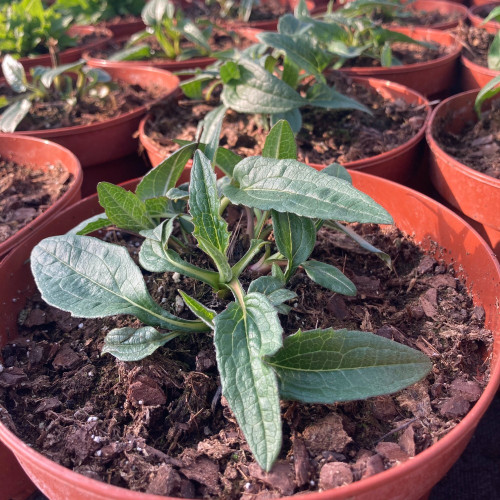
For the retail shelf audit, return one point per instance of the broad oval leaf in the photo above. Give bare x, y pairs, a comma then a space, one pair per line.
325, 366
329, 277
13, 71
291, 186
134, 344
92, 279
258, 91
123, 208
244, 333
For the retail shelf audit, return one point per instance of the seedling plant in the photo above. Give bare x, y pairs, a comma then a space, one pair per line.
166, 22
258, 362
93, 11
491, 89
69, 83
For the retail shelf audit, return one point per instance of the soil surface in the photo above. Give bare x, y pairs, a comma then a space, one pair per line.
26, 193
57, 113
476, 42
406, 53
160, 425
478, 144
326, 136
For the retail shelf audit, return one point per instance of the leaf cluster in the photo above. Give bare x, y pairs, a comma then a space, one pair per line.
26, 27
93, 11
167, 23
68, 82
347, 34
235, 9
257, 363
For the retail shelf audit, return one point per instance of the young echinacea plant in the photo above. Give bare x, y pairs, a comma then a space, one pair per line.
47, 84
258, 362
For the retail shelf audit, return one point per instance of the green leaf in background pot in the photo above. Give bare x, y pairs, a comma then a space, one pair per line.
325, 366
13, 71
494, 53
323, 96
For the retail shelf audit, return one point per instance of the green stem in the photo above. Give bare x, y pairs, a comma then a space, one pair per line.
242, 264
224, 203
260, 223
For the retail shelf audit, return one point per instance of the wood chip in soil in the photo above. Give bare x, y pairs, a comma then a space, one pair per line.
477, 145
25, 193
160, 425
326, 136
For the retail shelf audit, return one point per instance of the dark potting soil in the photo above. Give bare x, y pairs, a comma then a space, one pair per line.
478, 144
26, 193
122, 98
160, 426
406, 53
261, 11
476, 42
326, 135
417, 17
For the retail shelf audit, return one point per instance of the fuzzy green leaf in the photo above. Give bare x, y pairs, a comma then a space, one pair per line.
244, 333
204, 313
134, 344
280, 142
159, 180
324, 366
291, 186
92, 279
13, 71
14, 114
258, 91
329, 277
295, 238
123, 208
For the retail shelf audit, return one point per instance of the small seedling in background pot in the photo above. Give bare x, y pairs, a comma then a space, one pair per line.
258, 362
47, 84
491, 89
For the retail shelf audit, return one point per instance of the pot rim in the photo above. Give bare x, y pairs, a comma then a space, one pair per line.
61, 203
439, 151
468, 423
472, 66
111, 122
477, 20
418, 33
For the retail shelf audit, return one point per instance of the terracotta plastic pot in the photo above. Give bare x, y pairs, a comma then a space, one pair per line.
39, 154
472, 193
103, 142
414, 213
174, 66
74, 53
474, 76
479, 2
124, 29
16, 485
398, 165
477, 14
431, 78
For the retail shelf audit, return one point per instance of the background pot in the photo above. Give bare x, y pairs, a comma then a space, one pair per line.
98, 144
123, 29
474, 76
472, 193
398, 164
431, 78
445, 8
413, 213
477, 14
74, 53
39, 154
